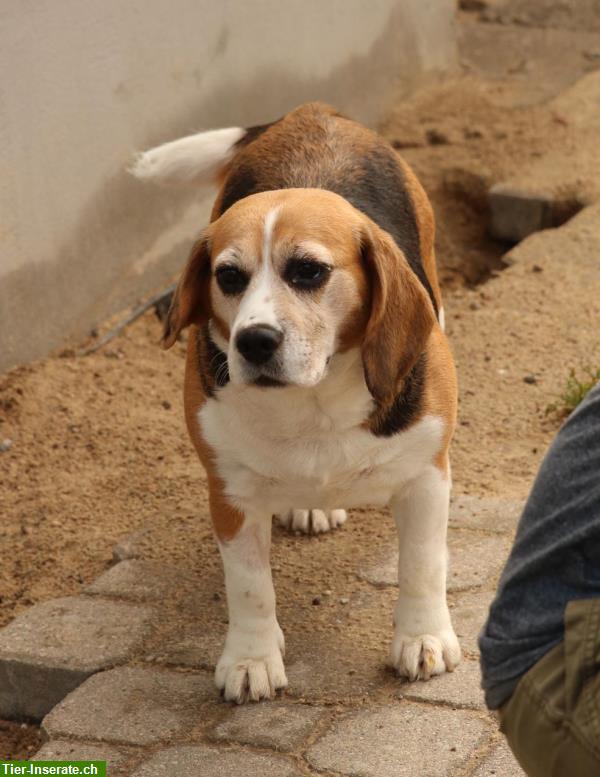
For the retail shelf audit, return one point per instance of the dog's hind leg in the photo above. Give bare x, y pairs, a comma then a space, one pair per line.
312, 521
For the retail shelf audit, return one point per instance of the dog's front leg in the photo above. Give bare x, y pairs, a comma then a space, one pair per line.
424, 641
251, 666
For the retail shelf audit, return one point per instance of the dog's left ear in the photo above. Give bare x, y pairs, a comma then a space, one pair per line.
191, 299
401, 316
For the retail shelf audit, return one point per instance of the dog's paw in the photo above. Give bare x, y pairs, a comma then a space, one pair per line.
422, 657
312, 521
251, 668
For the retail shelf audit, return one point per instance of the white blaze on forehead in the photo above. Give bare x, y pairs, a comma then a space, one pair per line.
270, 220
257, 306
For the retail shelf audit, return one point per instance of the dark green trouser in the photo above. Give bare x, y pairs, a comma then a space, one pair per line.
552, 720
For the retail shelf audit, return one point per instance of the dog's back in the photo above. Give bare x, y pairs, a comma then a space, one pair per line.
311, 147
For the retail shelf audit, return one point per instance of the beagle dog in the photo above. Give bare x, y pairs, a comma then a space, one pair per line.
318, 375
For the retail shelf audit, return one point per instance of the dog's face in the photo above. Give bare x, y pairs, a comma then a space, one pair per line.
287, 285
291, 277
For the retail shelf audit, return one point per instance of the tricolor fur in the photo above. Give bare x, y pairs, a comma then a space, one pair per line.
318, 374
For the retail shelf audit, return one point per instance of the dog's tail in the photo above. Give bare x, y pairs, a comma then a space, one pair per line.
200, 158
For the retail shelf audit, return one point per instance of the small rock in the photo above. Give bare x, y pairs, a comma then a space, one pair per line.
328, 592
316, 600
398, 143
5, 445
436, 138
531, 379
166, 404
537, 268
472, 5
344, 600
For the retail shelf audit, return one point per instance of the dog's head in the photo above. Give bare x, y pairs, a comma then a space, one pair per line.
291, 277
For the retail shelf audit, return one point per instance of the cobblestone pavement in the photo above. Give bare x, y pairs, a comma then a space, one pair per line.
127, 673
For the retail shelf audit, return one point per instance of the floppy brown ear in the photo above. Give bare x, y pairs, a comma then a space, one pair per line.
191, 301
401, 316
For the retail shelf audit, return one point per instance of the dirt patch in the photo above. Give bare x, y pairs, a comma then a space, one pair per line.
18, 741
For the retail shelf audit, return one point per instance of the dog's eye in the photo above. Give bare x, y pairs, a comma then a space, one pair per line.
231, 280
306, 273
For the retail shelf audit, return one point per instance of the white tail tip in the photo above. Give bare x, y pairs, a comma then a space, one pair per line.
193, 158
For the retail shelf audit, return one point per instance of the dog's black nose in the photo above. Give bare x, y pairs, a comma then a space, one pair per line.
258, 343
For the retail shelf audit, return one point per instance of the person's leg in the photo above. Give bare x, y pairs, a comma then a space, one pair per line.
552, 720
554, 560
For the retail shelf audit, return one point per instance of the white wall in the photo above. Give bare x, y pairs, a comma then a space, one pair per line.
85, 83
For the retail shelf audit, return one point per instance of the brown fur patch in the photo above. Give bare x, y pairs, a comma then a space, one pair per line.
226, 519
426, 224
191, 301
441, 391
401, 317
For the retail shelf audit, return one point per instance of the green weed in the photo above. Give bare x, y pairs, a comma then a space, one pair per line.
575, 390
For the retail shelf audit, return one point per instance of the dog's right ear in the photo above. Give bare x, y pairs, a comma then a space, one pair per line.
191, 299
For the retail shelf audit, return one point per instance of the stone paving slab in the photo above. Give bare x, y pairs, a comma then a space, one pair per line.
468, 617
132, 705
192, 646
500, 763
50, 649
278, 725
333, 667
461, 688
203, 761
65, 750
486, 513
474, 559
140, 581
389, 741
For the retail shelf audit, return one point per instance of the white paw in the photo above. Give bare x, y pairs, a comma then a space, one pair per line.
251, 667
424, 641
312, 521
422, 657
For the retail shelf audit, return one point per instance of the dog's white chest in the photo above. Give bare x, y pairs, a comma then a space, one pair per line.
278, 449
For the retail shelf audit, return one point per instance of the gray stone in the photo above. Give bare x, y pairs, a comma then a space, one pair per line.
132, 705
335, 666
139, 581
50, 649
468, 616
321, 676
490, 514
474, 559
279, 725
193, 646
64, 750
390, 741
193, 761
517, 212
500, 763
461, 688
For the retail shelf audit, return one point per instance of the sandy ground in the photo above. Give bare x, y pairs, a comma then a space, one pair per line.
99, 447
